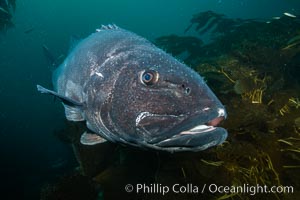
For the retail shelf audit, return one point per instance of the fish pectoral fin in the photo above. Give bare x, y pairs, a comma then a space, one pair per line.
91, 139
73, 113
66, 100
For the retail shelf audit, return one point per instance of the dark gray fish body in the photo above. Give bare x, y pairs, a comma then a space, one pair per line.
129, 91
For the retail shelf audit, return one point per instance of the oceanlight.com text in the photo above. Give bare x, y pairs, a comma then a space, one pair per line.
157, 188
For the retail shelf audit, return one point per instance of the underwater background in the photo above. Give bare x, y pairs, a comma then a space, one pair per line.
248, 51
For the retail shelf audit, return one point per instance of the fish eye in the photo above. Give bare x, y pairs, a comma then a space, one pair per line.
149, 77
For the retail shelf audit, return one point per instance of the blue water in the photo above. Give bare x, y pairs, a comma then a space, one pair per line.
28, 148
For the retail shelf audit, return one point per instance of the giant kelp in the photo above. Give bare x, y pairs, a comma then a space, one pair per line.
254, 69
216, 23
183, 47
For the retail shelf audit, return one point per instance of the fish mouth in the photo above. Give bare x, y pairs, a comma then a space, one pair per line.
198, 137
181, 132
209, 126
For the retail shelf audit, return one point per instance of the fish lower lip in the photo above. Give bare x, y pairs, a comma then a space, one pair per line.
199, 129
197, 138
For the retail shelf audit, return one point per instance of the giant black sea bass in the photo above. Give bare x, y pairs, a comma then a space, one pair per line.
131, 92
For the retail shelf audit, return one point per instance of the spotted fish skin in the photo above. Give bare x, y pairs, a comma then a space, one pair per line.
129, 91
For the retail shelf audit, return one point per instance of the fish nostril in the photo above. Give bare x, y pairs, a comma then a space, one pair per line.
187, 90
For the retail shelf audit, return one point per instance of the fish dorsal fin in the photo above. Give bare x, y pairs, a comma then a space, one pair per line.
91, 139
66, 100
107, 27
